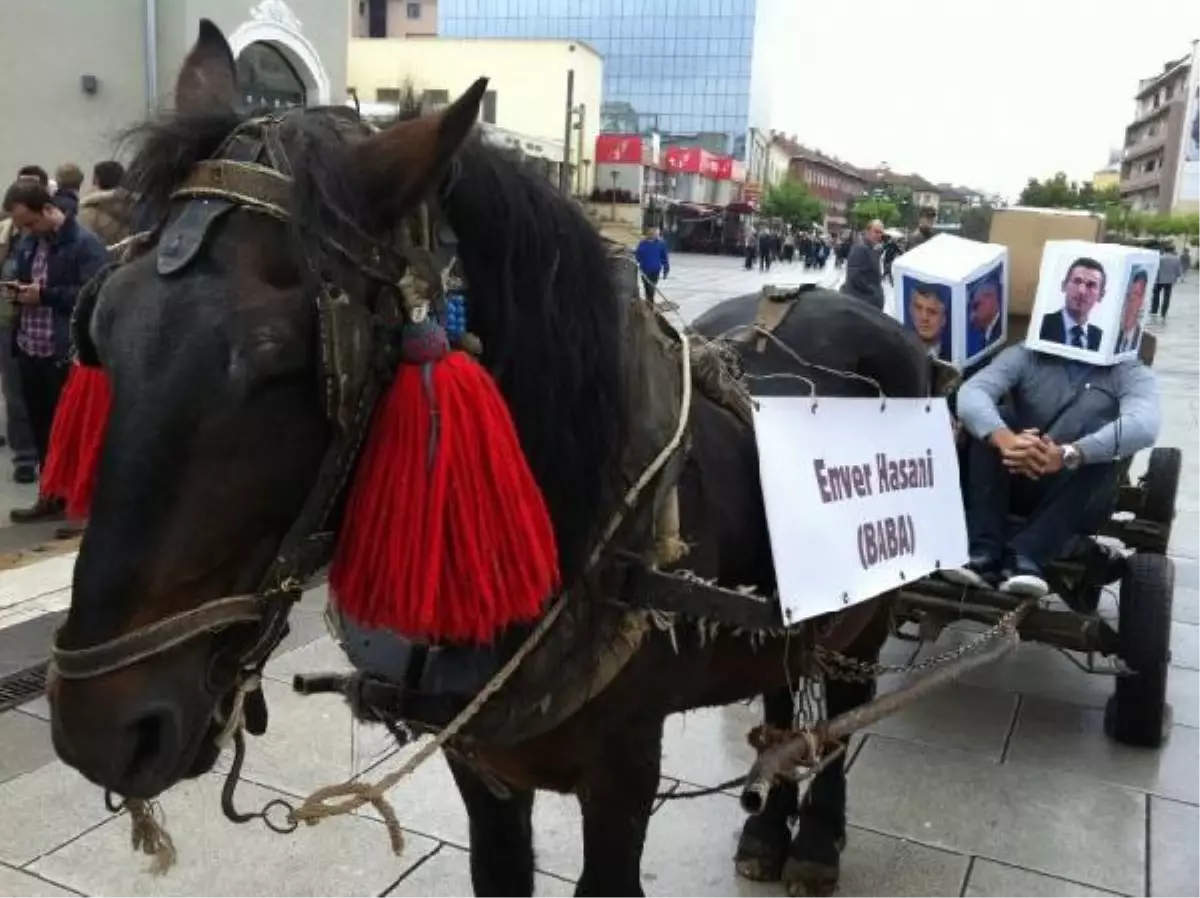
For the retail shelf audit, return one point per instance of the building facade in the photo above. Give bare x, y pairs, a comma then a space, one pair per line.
394, 18
1153, 140
686, 69
835, 183
116, 61
527, 89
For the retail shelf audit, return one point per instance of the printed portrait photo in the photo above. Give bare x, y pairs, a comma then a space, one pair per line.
926, 309
1133, 311
1083, 287
985, 312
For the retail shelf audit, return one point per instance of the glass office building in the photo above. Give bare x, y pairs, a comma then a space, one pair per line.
679, 67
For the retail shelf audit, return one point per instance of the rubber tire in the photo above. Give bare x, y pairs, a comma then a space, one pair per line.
1138, 714
1161, 483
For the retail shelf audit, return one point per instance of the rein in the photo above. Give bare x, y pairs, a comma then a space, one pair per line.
357, 366
251, 171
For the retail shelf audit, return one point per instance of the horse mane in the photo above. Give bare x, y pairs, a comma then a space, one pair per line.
541, 293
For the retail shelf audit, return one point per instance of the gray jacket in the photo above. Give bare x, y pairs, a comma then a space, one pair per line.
864, 275
1109, 412
1170, 269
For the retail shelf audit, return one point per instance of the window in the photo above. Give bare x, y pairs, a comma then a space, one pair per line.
388, 95
413, 10
434, 99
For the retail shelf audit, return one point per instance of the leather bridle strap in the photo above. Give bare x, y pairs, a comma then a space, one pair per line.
159, 637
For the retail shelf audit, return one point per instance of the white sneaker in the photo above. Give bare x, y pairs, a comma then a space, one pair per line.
964, 576
1028, 586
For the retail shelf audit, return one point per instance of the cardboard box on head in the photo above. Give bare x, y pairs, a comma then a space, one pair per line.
1091, 301
953, 294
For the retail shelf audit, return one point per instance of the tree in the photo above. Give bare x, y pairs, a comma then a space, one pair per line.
791, 201
976, 223
869, 208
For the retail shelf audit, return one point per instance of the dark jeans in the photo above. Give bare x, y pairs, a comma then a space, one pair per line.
1161, 292
650, 283
1056, 508
42, 381
20, 438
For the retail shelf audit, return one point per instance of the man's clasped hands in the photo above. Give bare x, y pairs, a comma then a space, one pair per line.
1028, 453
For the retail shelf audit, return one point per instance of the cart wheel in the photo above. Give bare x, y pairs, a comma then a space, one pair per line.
1161, 483
1137, 713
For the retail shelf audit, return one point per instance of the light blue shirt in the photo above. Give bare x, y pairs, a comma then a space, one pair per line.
1042, 386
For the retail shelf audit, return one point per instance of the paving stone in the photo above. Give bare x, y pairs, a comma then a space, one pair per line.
18, 884
321, 655
1186, 606
1185, 645
1052, 822
38, 707
1032, 669
958, 716
44, 809
340, 856
1183, 694
709, 746
26, 744
991, 880
1174, 860
308, 743
1067, 737
690, 849
448, 873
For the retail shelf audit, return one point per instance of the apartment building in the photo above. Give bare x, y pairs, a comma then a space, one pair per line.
394, 18
1151, 156
836, 183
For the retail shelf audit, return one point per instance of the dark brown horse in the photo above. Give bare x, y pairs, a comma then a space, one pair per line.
219, 431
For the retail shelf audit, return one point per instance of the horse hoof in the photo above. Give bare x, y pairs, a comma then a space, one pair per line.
762, 849
810, 878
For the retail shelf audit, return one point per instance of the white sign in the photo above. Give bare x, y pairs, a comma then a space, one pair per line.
1091, 300
862, 496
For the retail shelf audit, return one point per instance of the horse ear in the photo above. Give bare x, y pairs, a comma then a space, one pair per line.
208, 79
409, 159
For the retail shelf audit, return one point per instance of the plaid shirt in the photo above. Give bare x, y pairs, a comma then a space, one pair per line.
35, 332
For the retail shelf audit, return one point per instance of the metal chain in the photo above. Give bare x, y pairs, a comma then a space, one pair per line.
852, 670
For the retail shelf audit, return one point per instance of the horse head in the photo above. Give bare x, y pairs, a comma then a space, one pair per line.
217, 340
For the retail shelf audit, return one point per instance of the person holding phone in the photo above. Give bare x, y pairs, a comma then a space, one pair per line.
55, 258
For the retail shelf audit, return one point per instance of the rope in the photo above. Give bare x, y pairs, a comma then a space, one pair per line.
353, 794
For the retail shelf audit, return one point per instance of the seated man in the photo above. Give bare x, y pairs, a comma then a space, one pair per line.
1049, 456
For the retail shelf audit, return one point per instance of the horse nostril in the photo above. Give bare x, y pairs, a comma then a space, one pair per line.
152, 737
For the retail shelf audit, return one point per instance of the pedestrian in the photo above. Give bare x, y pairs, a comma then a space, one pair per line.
1170, 271
653, 261
764, 250
18, 432
54, 259
1185, 261
69, 178
925, 224
864, 276
107, 211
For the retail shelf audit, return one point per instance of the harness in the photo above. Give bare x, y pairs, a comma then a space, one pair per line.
251, 171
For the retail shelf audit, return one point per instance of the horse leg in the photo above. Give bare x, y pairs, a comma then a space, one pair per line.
617, 797
814, 860
501, 835
763, 846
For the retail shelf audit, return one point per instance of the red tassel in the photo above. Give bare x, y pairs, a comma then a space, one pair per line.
76, 439
453, 546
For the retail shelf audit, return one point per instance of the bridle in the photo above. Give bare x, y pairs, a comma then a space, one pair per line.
252, 171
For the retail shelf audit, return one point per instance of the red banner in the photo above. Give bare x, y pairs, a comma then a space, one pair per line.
696, 161
618, 149
724, 168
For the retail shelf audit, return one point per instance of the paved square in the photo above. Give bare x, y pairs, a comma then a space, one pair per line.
1002, 784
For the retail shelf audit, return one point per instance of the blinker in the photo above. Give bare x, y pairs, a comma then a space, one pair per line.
183, 238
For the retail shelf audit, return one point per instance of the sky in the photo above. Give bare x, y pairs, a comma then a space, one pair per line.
979, 93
